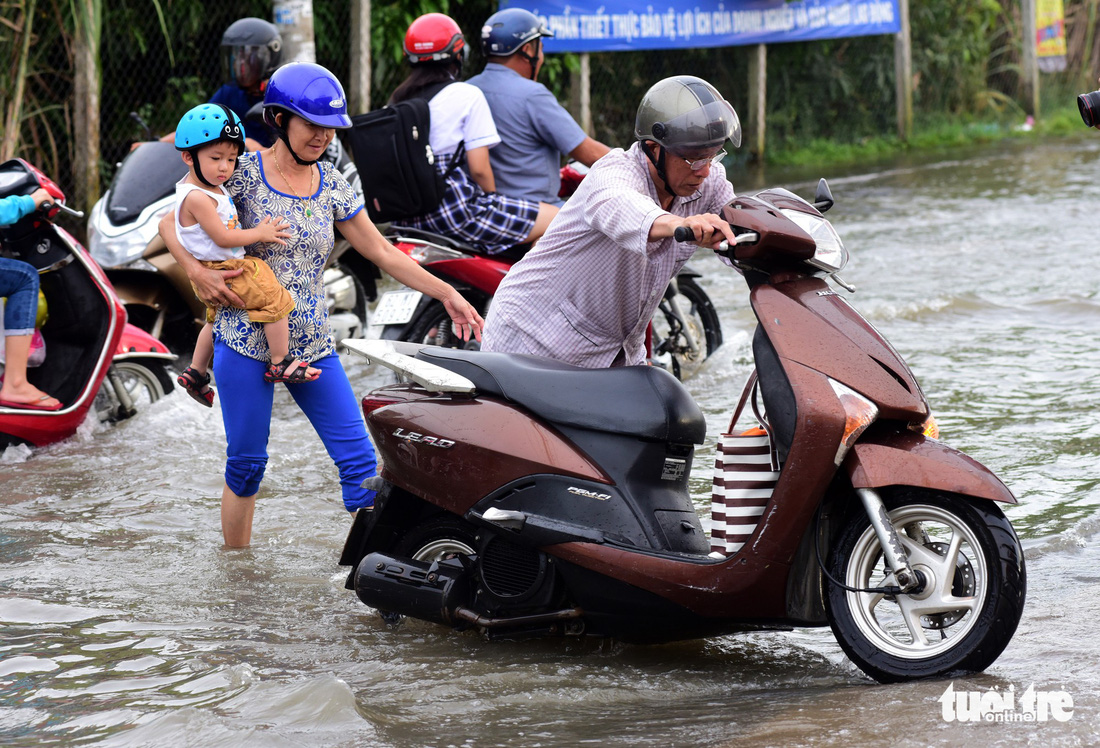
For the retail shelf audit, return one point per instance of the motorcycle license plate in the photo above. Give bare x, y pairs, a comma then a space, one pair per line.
395, 308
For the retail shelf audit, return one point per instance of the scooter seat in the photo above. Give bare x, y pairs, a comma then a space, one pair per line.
644, 401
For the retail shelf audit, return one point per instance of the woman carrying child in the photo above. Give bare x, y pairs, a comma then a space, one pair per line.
211, 138
288, 183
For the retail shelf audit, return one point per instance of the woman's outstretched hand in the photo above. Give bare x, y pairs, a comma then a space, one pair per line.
467, 322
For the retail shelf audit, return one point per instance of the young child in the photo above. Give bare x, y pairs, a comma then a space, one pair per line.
211, 138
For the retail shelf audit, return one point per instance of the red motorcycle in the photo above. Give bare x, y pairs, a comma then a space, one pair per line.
94, 360
524, 497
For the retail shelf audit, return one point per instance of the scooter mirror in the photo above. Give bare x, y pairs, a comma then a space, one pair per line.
823, 196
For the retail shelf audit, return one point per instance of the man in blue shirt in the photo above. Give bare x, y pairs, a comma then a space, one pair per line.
534, 128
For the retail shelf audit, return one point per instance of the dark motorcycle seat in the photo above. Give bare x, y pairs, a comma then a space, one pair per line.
644, 401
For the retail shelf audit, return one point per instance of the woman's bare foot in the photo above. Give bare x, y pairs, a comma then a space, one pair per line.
27, 394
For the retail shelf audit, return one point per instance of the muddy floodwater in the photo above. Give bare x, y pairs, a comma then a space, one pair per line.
123, 622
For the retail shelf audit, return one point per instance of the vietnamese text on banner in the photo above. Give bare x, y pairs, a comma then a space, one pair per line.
624, 25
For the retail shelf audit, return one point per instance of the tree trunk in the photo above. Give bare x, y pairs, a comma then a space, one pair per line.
13, 114
86, 102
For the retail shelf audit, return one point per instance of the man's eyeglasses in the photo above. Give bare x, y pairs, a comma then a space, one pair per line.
701, 163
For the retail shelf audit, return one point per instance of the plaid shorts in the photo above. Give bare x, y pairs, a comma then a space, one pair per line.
492, 222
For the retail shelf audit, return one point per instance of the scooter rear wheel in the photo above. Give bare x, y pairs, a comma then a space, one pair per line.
968, 609
434, 328
438, 539
435, 540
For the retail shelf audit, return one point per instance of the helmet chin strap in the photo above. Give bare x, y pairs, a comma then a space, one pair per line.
198, 168
533, 60
659, 164
280, 131
301, 161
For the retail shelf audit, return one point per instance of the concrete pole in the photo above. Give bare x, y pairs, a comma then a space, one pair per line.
586, 94
294, 19
903, 73
1029, 60
758, 100
359, 85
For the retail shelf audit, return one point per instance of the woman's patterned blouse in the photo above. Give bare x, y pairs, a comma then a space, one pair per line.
299, 265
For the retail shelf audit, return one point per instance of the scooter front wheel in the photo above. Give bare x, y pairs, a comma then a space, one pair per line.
143, 381
964, 614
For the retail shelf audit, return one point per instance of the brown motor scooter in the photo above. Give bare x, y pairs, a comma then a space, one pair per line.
524, 497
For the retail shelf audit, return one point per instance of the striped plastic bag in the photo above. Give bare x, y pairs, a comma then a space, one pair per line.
746, 469
744, 478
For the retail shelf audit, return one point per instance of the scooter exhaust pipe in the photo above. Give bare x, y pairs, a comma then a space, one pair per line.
416, 589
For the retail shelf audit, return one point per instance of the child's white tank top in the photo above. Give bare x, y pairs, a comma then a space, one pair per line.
194, 239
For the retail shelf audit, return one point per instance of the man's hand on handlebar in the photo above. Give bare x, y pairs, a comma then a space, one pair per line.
705, 229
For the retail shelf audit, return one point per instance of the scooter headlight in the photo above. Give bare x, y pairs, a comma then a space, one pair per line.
831, 256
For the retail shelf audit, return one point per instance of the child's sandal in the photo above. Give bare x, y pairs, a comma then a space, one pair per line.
290, 371
197, 385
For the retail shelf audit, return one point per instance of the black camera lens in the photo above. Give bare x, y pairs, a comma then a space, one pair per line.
1089, 104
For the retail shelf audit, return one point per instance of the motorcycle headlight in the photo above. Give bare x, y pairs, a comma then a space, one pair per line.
831, 256
339, 289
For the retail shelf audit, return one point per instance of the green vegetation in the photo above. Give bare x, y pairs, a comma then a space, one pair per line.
829, 102
931, 133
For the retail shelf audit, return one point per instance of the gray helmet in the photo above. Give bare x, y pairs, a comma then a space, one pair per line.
685, 113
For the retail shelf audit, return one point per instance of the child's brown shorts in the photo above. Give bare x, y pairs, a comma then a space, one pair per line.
264, 297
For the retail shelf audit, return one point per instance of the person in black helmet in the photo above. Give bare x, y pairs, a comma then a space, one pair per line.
535, 130
251, 49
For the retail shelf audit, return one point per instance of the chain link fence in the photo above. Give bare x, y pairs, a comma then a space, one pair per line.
158, 59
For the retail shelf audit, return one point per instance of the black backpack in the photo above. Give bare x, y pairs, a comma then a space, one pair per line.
395, 162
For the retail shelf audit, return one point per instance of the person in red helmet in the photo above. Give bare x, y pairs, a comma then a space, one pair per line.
462, 127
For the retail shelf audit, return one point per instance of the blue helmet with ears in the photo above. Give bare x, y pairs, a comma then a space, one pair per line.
507, 30
209, 123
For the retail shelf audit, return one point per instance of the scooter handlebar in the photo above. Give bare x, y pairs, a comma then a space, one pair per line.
684, 234
49, 207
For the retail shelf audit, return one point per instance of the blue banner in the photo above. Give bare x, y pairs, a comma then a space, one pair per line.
625, 25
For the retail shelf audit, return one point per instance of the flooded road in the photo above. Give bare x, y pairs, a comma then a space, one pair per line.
124, 623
